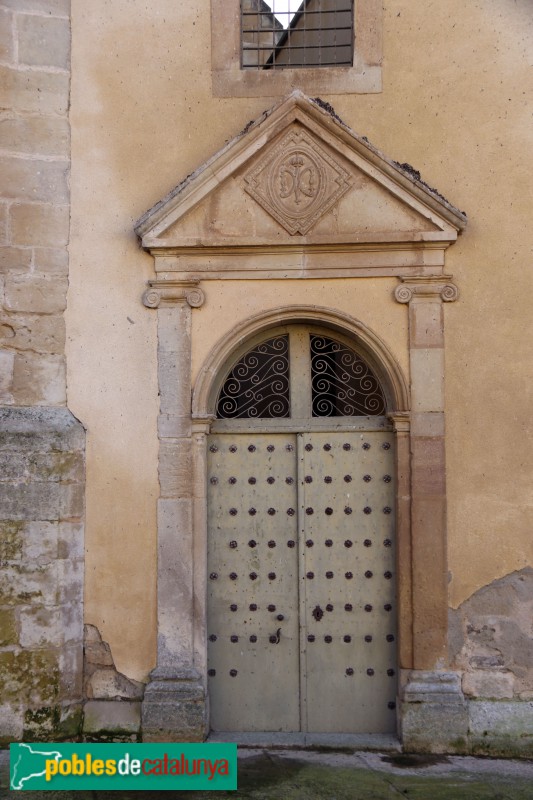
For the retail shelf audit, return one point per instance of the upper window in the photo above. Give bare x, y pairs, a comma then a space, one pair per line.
289, 34
266, 48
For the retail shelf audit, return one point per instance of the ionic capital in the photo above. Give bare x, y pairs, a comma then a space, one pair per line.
426, 287
161, 292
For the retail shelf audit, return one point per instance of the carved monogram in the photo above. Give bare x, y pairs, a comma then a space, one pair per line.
297, 181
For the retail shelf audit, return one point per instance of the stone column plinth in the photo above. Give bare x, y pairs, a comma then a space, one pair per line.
434, 715
174, 702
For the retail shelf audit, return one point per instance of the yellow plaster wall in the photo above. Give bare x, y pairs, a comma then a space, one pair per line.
229, 303
456, 104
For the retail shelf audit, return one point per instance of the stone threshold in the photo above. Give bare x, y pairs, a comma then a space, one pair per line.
382, 742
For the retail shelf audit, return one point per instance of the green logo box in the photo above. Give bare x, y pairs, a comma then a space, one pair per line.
162, 766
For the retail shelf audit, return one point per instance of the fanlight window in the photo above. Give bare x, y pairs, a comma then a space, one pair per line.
340, 383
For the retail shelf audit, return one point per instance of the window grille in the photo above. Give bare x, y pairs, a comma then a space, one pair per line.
342, 385
281, 34
258, 384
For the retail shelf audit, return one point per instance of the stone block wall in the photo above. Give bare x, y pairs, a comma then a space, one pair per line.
42, 446
490, 638
113, 708
41, 573
491, 645
34, 199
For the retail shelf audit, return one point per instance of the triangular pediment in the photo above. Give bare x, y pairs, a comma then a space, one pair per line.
299, 176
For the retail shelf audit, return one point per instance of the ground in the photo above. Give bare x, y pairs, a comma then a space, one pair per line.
308, 775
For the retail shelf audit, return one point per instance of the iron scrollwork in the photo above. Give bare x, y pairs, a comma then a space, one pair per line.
342, 384
258, 385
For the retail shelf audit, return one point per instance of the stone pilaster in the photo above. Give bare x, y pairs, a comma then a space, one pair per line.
434, 714
425, 296
42, 446
174, 702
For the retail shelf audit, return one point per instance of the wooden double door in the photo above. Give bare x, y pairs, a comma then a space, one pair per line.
301, 581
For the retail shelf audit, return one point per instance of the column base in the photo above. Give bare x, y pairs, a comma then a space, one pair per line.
434, 713
174, 707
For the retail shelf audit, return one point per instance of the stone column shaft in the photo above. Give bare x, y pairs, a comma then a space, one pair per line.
174, 509
174, 704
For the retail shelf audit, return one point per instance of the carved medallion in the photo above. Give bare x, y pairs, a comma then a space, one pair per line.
297, 181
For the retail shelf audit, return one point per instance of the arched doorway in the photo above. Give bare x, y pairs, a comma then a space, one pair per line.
301, 610
213, 239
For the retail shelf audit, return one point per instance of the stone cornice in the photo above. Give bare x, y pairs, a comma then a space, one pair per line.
426, 287
162, 292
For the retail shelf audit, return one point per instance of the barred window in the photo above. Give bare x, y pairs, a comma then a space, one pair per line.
264, 48
281, 34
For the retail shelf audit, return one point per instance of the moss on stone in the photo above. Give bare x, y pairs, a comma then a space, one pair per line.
503, 746
8, 627
25, 584
111, 738
70, 723
29, 677
57, 466
52, 723
11, 540
40, 723
459, 746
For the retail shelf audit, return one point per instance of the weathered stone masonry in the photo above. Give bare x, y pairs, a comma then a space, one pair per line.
113, 708
41, 577
42, 469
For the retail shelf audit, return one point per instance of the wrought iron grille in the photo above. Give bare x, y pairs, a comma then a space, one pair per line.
277, 34
258, 385
342, 385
